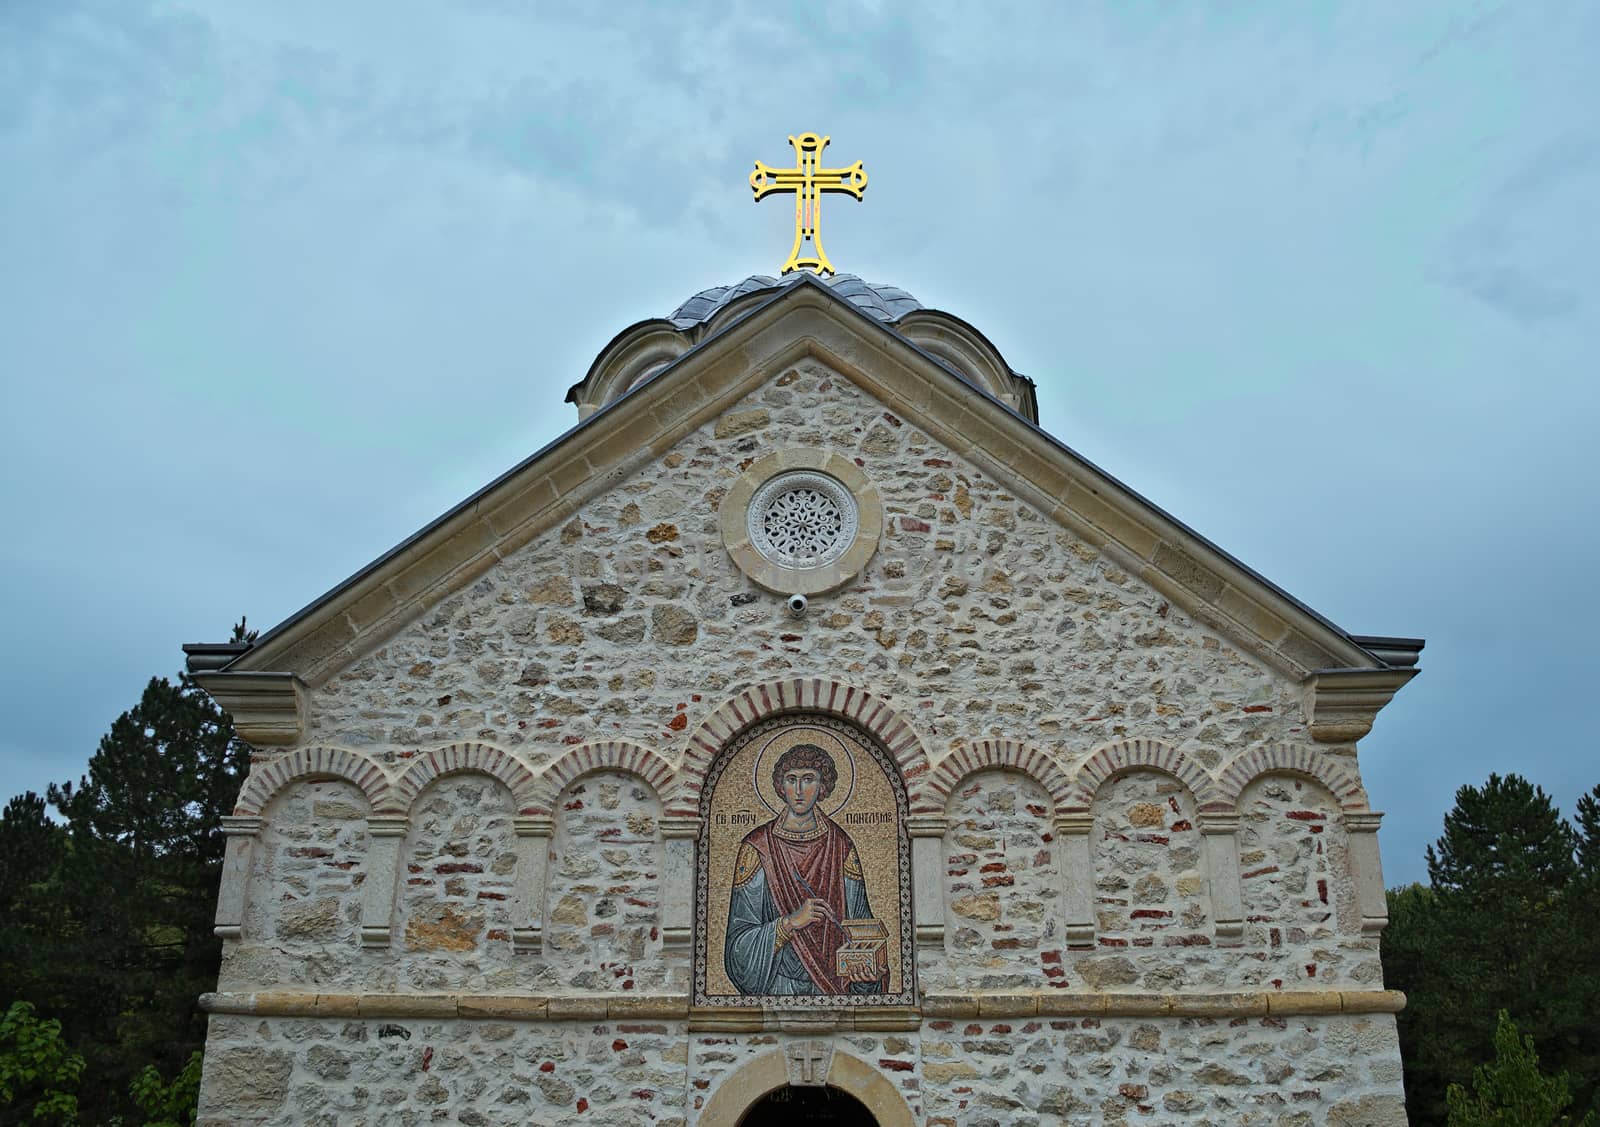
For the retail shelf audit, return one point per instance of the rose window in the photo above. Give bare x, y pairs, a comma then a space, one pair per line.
802, 520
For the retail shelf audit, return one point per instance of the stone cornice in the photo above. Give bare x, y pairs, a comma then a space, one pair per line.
1341, 704
676, 1007
1233, 1004
927, 825
268, 709
801, 321
1218, 821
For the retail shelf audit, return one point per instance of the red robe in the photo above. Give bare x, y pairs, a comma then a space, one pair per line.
798, 871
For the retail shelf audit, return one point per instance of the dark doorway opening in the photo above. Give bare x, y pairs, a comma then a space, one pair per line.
827, 1106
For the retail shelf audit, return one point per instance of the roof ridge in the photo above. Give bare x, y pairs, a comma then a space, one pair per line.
878, 300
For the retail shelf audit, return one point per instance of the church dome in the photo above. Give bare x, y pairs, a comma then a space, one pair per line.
642, 351
886, 303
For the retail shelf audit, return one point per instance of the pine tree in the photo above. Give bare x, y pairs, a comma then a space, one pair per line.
1578, 1003
33, 848
1505, 856
139, 883
1490, 935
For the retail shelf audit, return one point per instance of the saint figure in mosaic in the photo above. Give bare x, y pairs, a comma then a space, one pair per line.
797, 884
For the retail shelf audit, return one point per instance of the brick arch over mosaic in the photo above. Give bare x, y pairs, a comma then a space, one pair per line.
1117, 759
989, 755
606, 755
475, 758
1278, 759
266, 782
795, 694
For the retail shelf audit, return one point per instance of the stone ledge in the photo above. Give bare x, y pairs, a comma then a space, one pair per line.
496, 1007
675, 1007
1235, 1004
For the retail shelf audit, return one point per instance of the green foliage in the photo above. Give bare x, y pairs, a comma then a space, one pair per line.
168, 1105
34, 849
1505, 923
106, 914
37, 1070
1512, 1092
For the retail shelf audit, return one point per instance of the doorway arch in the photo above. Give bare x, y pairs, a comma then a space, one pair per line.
742, 1090
826, 1106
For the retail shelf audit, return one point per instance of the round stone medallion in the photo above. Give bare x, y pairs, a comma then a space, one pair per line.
802, 520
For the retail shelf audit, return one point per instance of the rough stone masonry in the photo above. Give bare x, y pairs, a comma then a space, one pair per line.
459, 892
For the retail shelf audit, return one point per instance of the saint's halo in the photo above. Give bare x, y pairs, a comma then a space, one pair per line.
779, 742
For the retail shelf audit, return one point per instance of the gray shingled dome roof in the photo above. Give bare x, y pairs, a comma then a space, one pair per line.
886, 303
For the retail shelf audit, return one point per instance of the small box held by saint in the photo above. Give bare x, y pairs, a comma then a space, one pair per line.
864, 957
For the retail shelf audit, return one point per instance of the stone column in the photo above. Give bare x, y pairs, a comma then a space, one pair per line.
679, 837
1077, 876
1367, 870
385, 832
527, 897
241, 832
927, 876
1220, 829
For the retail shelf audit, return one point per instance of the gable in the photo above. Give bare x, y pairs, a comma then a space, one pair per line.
626, 620
804, 323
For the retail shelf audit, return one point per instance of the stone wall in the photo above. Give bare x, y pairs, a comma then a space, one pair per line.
302, 921
1152, 897
1270, 1070
1302, 924
1305, 1072
316, 1073
979, 616
1001, 865
979, 619
1002, 889
601, 930
457, 866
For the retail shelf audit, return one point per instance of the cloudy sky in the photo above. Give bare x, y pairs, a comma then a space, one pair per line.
280, 282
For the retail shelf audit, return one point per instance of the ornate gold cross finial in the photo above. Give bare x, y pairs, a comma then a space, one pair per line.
808, 181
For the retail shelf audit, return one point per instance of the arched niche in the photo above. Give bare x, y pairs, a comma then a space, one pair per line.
1302, 923
1152, 888
1002, 884
602, 916
302, 916
455, 896
763, 854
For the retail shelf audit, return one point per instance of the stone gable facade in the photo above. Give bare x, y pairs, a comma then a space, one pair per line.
461, 877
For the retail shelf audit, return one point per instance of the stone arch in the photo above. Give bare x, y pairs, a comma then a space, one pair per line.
1010, 755
605, 755
795, 694
1289, 760
457, 759
743, 1088
1113, 760
266, 782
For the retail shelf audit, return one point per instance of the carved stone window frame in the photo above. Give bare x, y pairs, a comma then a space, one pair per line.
774, 576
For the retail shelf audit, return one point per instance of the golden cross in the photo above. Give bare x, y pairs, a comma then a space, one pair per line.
807, 181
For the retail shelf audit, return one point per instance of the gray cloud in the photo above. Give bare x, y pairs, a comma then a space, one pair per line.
285, 281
